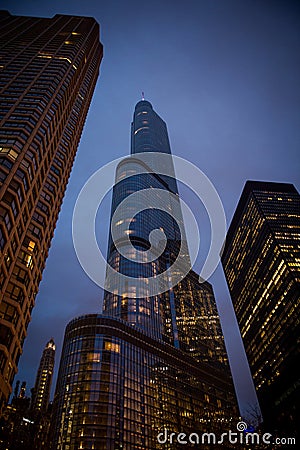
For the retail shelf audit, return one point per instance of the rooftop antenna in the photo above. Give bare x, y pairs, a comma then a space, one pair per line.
143, 96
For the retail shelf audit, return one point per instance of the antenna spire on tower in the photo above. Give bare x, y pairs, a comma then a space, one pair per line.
143, 96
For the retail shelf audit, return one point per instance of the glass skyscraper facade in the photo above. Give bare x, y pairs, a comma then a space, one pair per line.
155, 358
48, 72
261, 261
118, 388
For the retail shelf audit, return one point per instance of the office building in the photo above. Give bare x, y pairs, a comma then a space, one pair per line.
261, 261
48, 72
155, 359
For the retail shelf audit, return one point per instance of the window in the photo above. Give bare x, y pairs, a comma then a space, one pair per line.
46, 197
31, 156
10, 201
15, 292
49, 187
5, 163
29, 244
21, 275
16, 187
21, 174
55, 170
5, 217
112, 347
38, 218
7, 259
44, 208
12, 154
35, 230
2, 240
3, 176
8, 312
25, 164
5, 336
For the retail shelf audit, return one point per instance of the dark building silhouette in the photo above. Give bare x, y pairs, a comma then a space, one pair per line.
17, 428
48, 72
25, 422
261, 261
155, 359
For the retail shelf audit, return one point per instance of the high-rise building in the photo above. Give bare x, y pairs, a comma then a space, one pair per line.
48, 72
155, 359
42, 387
261, 261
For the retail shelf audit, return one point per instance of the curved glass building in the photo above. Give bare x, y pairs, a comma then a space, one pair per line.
118, 388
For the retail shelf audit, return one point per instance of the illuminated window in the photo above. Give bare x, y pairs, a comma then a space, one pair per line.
9, 152
94, 357
31, 246
112, 347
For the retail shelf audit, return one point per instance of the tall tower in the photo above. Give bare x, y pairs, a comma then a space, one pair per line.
151, 361
261, 261
42, 387
176, 314
48, 72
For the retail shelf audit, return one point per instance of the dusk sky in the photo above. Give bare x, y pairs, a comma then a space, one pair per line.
225, 76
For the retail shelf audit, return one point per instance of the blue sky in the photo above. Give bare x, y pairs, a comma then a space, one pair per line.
224, 75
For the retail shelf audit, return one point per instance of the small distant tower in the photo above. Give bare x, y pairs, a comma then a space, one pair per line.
22, 390
41, 391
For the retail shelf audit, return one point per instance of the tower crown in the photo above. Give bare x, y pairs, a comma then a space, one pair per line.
143, 104
51, 344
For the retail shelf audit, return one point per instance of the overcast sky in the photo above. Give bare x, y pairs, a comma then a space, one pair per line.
224, 75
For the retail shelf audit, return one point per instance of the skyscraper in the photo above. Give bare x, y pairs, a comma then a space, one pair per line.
48, 72
41, 390
155, 359
176, 314
261, 261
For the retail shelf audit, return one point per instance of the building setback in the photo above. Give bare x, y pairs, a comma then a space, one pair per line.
261, 261
48, 72
153, 360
